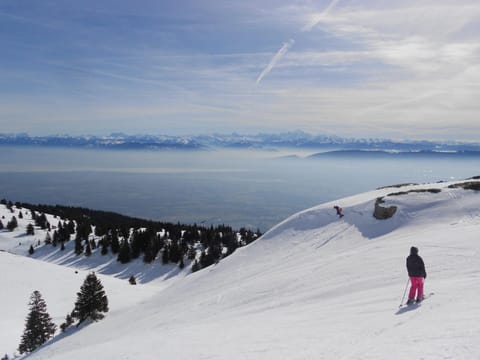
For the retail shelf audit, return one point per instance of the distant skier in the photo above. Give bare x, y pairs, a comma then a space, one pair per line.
339, 211
416, 272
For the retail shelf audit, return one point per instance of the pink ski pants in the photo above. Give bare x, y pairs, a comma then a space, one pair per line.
417, 287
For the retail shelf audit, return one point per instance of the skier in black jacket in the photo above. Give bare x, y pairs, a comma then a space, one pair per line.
416, 272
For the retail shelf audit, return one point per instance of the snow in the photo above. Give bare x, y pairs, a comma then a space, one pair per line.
313, 287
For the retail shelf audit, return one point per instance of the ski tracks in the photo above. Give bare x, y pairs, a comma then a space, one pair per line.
330, 234
369, 343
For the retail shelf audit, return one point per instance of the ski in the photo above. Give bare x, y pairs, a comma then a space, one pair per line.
417, 303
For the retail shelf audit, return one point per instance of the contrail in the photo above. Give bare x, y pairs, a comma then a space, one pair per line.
320, 16
286, 46
283, 50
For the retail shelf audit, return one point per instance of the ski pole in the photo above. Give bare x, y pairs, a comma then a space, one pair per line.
404, 292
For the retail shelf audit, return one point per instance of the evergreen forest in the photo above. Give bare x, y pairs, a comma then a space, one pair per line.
130, 238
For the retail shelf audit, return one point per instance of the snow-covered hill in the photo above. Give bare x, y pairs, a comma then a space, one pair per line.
313, 287
18, 242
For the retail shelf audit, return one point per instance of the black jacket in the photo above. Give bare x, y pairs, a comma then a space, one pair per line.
415, 266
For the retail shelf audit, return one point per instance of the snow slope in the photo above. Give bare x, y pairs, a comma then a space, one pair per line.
313, 287
58, 286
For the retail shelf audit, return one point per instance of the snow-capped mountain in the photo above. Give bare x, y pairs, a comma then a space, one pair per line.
113, 141
315, 286
295, 139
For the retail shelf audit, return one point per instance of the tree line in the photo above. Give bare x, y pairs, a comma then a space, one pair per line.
131, 238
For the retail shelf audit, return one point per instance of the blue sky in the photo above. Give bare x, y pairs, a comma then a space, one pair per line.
395, 69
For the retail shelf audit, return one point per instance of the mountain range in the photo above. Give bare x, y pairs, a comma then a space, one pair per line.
296, 139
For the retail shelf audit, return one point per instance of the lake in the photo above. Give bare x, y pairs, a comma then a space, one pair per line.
241, 188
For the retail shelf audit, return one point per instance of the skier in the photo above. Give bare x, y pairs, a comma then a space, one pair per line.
339, 211
416, 272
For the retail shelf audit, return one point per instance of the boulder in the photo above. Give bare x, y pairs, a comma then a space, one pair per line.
381, 212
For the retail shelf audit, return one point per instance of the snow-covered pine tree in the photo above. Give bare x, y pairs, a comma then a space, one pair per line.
91, 301
38, 326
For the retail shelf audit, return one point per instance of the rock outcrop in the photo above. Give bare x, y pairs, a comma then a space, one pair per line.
381, 212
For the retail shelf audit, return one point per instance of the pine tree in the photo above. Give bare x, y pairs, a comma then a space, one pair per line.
30, 230
165, 255
206, 259
174, 252
48, 238
78, 245
135, 244
132, 280
31, 250
148, 256
104, 250
38, 326
124, 254
71, 227
88, 249
41, 220
91, 301
191, 253
195, 266
54, 241
84, 229
68, 321
115, 244
12, 224
63, 234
